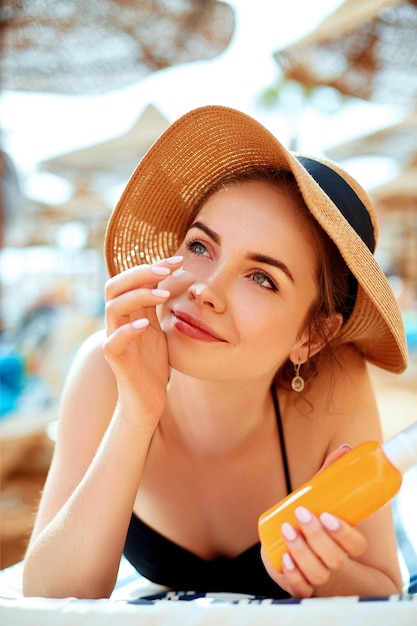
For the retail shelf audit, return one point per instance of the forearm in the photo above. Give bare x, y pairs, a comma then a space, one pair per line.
78, 552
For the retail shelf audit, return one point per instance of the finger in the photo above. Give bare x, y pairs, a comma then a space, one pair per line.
335, 455
171, 261
140, 276
349, 538
116, 344
323, 544
307, 561
297, 585
291, 579
135, 304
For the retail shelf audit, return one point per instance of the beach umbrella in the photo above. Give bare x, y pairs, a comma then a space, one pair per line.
365, 49
400, 193
396, 202
113, 160
397, 141
97, 46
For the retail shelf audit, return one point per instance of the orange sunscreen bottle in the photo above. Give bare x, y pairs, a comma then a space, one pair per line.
353, 487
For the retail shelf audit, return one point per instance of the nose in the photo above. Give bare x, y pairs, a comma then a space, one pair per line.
205, 294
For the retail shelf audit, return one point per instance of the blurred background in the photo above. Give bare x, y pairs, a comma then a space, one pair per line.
87, 87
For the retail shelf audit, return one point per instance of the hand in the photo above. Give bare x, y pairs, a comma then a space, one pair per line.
135, 346
320, 546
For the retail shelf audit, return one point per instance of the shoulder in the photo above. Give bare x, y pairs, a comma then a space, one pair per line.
337, 376
332, 386
90, 354
343, 391
90, 375
337, 406
92, 346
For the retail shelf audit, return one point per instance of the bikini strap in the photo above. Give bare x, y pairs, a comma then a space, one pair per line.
281, 439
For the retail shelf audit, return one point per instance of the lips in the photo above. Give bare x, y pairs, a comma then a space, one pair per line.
194, 328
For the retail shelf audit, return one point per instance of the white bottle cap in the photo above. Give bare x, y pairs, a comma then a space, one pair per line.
402, 448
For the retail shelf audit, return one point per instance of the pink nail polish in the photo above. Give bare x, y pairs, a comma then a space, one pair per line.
330, 521
140, 323
160, 293
288, 562
288, 532
174, 260
160, 270
303, 515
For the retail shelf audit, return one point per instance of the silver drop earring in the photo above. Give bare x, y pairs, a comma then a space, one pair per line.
297, 382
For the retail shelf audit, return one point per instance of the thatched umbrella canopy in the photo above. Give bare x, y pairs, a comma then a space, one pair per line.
399, 193
398, 141
92, 171
97, 46
40, 221
114, 158
396, 202
366, 49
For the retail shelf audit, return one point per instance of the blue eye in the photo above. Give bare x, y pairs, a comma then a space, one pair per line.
196, 247
262, 279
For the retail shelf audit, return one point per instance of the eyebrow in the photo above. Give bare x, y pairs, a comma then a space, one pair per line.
210, 233
253, 256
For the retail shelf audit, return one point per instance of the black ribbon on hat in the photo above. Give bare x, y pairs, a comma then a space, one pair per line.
352, 209
344, 197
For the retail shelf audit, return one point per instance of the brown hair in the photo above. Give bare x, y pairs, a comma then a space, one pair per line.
336, 283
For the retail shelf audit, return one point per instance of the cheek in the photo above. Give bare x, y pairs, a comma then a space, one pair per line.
267, 333
272, 329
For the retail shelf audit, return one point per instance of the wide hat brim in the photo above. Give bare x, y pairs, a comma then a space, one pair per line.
205, 146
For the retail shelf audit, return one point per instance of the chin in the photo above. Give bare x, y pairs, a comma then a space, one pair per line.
187, 364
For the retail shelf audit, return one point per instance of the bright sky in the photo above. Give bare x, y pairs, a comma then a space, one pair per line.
38, 126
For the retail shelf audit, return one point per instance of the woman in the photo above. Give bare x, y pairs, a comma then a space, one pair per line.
243, 304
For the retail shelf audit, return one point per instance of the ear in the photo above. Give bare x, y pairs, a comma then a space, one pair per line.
312, 341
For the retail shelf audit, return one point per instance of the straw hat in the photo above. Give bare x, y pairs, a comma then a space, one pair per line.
210, 143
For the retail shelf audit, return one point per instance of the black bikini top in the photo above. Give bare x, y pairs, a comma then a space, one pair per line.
164, 562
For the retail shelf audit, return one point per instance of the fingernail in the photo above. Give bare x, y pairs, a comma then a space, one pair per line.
345, 445
160, 293
288, 562
329, 521
178, 272
140, 323
303, 515
288, 531
160, 270
174, 260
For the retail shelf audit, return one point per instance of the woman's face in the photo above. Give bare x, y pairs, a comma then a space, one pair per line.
239, 310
